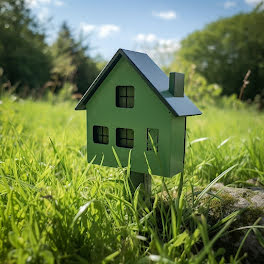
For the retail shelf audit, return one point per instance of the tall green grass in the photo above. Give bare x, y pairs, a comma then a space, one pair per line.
57, 208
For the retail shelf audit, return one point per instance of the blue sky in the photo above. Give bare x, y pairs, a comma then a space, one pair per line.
138, 25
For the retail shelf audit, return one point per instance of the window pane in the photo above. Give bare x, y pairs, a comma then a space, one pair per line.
105, 131
130, 143
121, 90
125, 137
122, 102
130, 91
122, 142
100, 135
105, 140
95, 134
100, 139
125, 96
130, 134
130, 102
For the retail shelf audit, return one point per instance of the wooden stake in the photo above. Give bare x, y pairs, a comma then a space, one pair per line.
144, 179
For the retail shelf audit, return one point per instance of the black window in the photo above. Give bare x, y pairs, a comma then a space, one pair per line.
154, 134
125, 137
100, 134
125, 96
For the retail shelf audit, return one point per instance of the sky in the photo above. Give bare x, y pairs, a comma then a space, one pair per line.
108, 25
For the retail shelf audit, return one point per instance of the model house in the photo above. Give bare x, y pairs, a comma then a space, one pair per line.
133, 105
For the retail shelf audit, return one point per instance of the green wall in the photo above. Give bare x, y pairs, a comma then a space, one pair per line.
148, 112
177, 143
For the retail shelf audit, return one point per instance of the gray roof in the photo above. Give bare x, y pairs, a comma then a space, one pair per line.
153, 75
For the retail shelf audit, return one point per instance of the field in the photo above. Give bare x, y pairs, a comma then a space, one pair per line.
55, 207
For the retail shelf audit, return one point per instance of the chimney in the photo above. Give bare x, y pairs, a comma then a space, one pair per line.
176, 86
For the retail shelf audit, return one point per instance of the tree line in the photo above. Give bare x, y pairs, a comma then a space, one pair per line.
32, 65
230, 53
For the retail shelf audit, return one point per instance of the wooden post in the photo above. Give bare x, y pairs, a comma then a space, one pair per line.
137, 178
147, 184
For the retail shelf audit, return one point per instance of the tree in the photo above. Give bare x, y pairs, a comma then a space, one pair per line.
225, 50
71, 61
23, 52
63, 51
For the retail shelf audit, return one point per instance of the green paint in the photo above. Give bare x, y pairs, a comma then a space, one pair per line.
176, 84
148, 112
178, 145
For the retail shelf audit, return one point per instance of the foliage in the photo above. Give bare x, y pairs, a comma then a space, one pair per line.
71, 62
22, 47
100, 62
221, 138
195, 85
31, 64
225, 50
55, 207
62, 53
231, 102
65, 94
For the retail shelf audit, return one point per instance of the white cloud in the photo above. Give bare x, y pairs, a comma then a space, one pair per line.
87, 28
41, 3
253, 2
167, 15
58, 3
106, 30
168, 45
149, 38
43, 14
42, 7
102, 31
36, 3
161, 45
229, 4
160, 50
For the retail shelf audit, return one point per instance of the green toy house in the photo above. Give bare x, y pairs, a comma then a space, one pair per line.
133, 105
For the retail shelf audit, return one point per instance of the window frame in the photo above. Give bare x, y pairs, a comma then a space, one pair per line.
127, 93
100, 132
128, 139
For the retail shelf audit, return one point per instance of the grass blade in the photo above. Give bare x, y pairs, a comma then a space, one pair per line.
82, 211
211, 184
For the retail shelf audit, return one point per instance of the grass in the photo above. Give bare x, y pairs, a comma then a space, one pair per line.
57, 208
